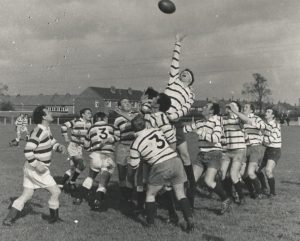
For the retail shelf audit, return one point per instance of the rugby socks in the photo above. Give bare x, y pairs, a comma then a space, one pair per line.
271, 182
239, 189
250, 186
190, 193
141, 197
170, 204
150, 212
75, 175
261, 178
65, 178
227, 186
256, 185
220, 191
187, 213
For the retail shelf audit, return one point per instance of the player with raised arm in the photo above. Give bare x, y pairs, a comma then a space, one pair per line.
182, 98
209, 132
150, 146
254, 127
79, 128
235, 154
100, 141
38, 152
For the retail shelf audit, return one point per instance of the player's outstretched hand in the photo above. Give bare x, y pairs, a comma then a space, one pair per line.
180, 37
62, 149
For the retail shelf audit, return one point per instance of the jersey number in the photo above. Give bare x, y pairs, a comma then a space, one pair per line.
102, 134
160, 142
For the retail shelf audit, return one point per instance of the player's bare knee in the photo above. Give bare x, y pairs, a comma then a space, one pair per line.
269, 173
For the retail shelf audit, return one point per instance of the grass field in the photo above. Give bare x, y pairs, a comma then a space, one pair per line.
276, 219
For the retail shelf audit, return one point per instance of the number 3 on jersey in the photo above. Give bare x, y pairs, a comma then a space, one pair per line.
160, 142
102, 133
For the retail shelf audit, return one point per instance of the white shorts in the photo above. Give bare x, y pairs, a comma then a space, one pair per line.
34, 180
102, 161
122, 154
75, 150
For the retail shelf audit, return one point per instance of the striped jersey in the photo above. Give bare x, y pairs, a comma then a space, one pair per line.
19, 121
272, 135
150, 146
25, 122
234, 133
101, 137
160, 120
209, 133
254, 130
40, 145
122, 124
79, 128
182, 97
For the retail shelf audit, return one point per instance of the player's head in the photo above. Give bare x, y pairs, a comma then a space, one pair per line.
151, 93
100, 116
162, 102
138, 123
187, 76
40, 114
124, 105
248, 108
211, 108
271, 114
86, 114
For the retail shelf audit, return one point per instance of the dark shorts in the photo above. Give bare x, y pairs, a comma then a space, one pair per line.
271, 153
180, 136
170, 172
235, 155
255, 153
210, 159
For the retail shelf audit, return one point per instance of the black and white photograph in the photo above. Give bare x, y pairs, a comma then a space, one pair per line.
150, 120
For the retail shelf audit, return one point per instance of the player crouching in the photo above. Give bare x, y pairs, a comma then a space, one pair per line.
100, 140
151, 146
38, 152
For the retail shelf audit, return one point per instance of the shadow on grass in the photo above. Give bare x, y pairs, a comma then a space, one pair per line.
208, 237
289, 182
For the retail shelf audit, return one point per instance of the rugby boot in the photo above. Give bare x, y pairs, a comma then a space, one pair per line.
226, 205
11, 217
54, 216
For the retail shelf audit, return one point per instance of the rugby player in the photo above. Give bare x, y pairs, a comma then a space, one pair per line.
122, 124
21, 126
100, 141
272, 141
151, 146
182, 98
79, 127
235, 153
38, 152
210, 150
253, 126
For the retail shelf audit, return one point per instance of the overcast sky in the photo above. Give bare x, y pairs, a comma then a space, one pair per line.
64, 46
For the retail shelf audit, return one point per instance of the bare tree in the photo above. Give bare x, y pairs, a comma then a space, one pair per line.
3, 88
257, 90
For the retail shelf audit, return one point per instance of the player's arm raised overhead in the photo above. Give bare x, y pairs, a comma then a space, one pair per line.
64, 129
174, 68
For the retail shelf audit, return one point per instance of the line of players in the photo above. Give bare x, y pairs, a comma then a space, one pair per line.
151, 147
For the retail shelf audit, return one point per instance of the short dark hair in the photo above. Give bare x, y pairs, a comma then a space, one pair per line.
191, 72
238, 105
151, 93
216, 108
138, 123
274, 111
99, 115
164, 102
82, 111
252, 107
120, 100
38, 114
